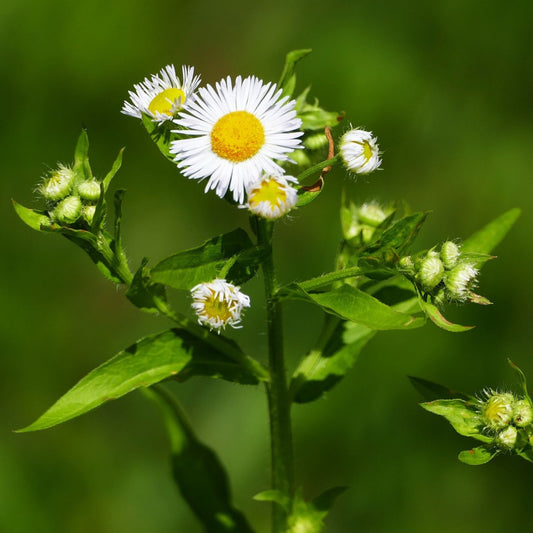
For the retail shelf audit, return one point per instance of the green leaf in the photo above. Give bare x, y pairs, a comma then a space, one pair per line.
314, 118
325, 366
160, 134
275, 496
526, 454
143, 292
488, 237
325, 501
198, 471
287, 80
190, 267
438, 319
174, 353
462, 415
82, 168
34, 218
351, 304
433, 391
307, 194
401, 234
477, 456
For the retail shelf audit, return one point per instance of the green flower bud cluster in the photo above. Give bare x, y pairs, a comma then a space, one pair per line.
507, 418
446, 275
362, 222
69, 199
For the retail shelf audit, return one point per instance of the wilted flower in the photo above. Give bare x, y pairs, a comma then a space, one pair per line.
218, 303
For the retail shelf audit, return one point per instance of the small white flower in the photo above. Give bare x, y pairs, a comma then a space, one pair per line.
234, 133
162, 96
218, 303
359, 151
271, 196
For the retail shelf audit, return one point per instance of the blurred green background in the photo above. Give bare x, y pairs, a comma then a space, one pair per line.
447, 88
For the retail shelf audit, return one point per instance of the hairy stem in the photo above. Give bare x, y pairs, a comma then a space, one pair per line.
277, 390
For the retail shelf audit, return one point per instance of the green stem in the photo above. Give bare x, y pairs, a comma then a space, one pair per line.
318, 167
277, 390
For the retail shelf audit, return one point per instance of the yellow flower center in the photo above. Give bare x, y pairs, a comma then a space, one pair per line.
237, 136
367, 150
269, 191
215, 308
164, 102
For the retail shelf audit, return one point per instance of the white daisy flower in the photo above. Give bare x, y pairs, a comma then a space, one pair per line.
271, 196
218, 303
236, 132
162, 96
359, 151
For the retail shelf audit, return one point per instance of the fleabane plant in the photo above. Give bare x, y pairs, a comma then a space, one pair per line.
267, 152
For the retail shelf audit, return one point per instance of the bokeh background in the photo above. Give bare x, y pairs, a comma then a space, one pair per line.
447, 88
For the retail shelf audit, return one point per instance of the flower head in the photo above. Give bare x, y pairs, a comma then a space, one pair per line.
460, 280
234, 133
217, 303
497, 409
58, 184
359, 151
162, 96
271, 196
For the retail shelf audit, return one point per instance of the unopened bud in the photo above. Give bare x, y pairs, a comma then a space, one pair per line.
406, 265
89, 190
523, 414
460, 280
68, 210
497, 410
372, 214
58, 185
301, 158
359, 151
507, 437
316, 141
430, 271
449, 253
87, 213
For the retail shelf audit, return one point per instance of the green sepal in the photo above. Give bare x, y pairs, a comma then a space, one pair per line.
197, 471
477, 456
351, 304
462, 415
144, 293
433, 391
186, 269
487, 238
287, 81
34, 218
160, 134
176, 353
330, 361
439, 320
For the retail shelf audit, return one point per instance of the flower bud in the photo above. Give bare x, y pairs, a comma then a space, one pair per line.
372, 214
68, 210
89, 190
301, 158
87, 213
430, 271
316, 141
497, 410
58, 185
271, 196
449, 253
359, 151
460, 280
405, 264
507, 437
523, 414
304, 524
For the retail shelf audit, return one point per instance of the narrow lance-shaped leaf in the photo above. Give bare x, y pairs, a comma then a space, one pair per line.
198, 472
186, 269
34, 218
82, 168
351, 304
287, 80
487, 238
438, 319
150, 360
433, 391
522, 378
